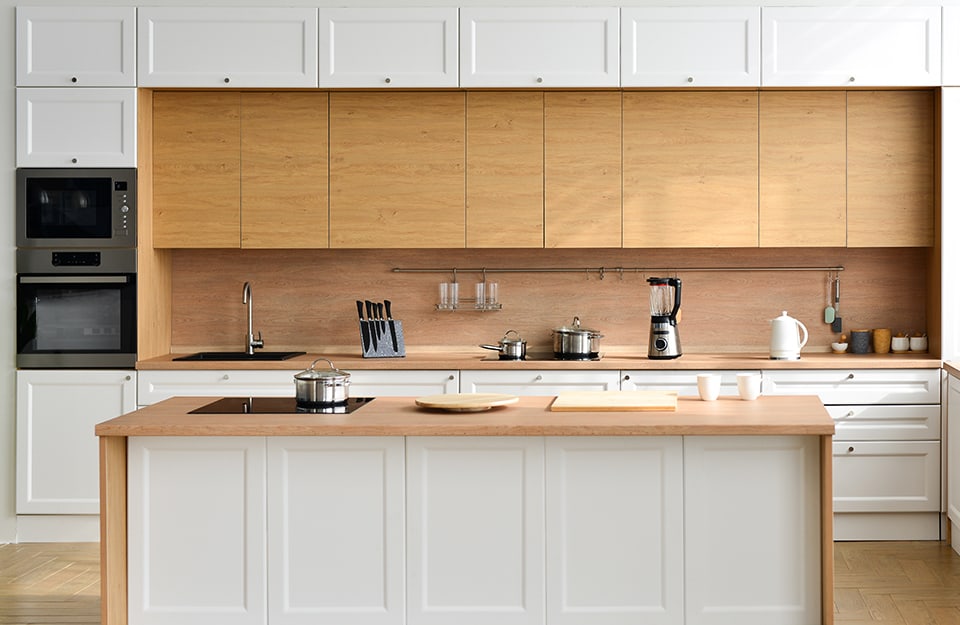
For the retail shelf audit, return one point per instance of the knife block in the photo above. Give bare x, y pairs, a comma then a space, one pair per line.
382, 346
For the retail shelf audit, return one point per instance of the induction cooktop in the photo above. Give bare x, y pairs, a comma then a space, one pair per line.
277, 405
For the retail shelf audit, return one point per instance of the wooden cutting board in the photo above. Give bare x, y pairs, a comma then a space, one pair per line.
601, 401
466, 402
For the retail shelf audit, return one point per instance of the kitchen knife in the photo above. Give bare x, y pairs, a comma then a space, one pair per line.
364, 330
393, 327
373, 334
381, 319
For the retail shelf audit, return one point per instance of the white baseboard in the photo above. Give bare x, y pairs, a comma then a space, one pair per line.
58, 528
886, 526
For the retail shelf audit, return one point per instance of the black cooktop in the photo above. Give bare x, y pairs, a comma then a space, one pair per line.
277, 405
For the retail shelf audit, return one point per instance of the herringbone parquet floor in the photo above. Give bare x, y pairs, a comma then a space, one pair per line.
901, 583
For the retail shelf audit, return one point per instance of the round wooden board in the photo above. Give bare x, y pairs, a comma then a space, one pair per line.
466, 402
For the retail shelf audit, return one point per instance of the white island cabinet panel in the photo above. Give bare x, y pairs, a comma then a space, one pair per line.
82, 46
389, 47
853, 46
953, 461
690, 46
614, 531
226, 47
539, 47
76, 127
751, 513
475, 531
336, 534
540, 382
197, 530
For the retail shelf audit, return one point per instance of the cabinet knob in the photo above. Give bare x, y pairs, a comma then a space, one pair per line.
226, 376
539, 78
73, 79
538, 378
850, 376
73, 160
850, 449
227, 79
626, 377
127, 378
849, 414
853, 78
689, 78
387, 80
451, 377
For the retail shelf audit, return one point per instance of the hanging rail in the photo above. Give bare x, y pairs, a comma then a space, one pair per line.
602, 271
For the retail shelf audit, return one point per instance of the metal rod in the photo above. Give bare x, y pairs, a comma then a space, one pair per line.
603, 270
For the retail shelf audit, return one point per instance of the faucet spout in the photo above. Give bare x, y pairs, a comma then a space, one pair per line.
251, 343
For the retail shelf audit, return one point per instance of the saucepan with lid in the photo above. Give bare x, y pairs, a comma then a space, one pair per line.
574, 342
510, 348
322, 387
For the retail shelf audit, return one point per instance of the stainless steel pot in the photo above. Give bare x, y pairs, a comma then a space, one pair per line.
576, 343
510, 348
322, 387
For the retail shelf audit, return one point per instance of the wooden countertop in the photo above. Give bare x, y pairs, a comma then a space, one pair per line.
399, 416
614, 359
953, 368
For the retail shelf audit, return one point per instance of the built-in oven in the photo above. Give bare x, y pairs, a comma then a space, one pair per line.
76, 208
76, 308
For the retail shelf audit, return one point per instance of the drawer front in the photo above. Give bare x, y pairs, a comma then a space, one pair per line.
871, 476
886, 423
154, 386
858, 386
683, 382
538, 383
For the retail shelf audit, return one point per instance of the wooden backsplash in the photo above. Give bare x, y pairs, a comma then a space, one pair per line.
306, 299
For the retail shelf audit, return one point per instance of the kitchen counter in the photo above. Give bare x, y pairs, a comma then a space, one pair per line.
613, 358
953, 368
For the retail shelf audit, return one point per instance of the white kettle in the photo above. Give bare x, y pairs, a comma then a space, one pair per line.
785, 337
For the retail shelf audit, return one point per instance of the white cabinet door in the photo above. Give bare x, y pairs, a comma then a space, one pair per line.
537, 382
475, 531
196, 522
886, 423
539, 47
83, 46
953, 453
336, 532
388, 47
877, 476
227, 47
63, 127
951, 46
690, 46
614, 530
58, 455
851, 46
857, 386
683, 382
752, 514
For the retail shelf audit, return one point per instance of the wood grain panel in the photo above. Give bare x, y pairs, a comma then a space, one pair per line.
890, 168
397, 170
690, 169
283, 160
113, 530
802, 168
196, 169
582, 169
504, 169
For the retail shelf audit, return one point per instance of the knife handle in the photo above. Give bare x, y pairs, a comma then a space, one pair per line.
360, 309
386, 303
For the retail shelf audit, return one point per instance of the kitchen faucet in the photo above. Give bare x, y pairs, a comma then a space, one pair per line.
251, 343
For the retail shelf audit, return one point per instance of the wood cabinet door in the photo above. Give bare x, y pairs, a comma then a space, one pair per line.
803, 169
283, 156
196, 170
890, 168
582, 169
397, 170
690, 169
504, 169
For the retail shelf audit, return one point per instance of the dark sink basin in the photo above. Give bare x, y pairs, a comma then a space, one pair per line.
240, 356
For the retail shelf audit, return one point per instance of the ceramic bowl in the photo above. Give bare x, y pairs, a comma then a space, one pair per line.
839, 348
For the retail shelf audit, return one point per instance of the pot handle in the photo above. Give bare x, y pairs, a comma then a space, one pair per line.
495, 348
330, 362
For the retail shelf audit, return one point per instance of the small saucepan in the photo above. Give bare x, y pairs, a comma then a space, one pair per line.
321, 387
510, 348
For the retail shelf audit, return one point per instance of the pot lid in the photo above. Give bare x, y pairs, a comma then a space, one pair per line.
506, 340
316, 374
575, 328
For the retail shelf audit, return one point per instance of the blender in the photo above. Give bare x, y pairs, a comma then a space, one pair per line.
664, 305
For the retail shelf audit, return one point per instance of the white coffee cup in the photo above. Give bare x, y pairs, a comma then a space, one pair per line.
748, 385
708, 385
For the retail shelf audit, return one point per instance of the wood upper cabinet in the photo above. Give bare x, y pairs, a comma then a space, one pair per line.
196, 169
283, 160
890, 175
690, 46
397, 170
582, 169
690, 169
803, 169
504, 169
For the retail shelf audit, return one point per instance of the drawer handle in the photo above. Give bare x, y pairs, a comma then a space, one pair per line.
227, 79
387, 80
538, 378
850, 376
626, 378
73, 79
539, 79
226, 376
850, 449
127, 378
689, 78
451, 377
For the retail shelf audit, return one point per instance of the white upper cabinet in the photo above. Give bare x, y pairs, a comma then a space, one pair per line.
851, 46
951, 45
76, 127
388, 47
690, 47
82, 46
227, 47
539, 47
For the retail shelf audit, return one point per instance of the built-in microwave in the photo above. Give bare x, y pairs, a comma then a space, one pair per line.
73, 208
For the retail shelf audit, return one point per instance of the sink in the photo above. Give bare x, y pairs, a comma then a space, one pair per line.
240, 356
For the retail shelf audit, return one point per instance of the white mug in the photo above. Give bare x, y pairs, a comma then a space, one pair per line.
708, 385
748, 385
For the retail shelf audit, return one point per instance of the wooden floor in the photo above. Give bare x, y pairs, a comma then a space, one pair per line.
910, 583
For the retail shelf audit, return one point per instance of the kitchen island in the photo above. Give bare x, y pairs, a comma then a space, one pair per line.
719, 512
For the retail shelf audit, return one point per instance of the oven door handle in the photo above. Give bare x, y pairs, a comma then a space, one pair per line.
74, 279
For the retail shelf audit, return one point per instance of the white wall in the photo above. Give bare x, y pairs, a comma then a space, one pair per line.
8, 532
